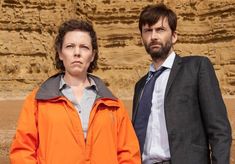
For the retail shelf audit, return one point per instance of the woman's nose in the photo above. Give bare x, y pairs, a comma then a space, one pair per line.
76, 51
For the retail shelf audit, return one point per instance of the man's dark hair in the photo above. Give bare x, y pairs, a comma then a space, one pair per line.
73, 25
152, 13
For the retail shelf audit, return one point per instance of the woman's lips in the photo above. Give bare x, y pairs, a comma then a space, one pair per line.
76, 62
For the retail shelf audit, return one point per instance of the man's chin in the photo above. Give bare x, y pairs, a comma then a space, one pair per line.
157, 55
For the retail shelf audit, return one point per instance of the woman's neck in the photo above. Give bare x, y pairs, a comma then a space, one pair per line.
76, 81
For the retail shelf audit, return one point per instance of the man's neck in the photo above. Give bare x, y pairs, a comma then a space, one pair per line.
159, 61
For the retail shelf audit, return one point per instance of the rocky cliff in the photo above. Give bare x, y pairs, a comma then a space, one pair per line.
27, 30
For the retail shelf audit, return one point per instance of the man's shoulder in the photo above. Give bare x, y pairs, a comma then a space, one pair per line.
194, 59
194, 62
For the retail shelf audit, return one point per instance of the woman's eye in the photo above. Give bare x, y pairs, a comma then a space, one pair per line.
69, 46
85, 47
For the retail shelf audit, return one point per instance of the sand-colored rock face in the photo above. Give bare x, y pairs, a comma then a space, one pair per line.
28, 28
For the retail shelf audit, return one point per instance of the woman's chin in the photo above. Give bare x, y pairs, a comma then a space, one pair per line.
76, 71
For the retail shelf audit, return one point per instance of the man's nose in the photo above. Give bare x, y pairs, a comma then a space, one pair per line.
154, 35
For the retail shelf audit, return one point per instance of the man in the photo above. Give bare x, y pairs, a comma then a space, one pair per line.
182, 119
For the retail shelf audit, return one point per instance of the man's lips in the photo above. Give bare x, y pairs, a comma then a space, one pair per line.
155, 45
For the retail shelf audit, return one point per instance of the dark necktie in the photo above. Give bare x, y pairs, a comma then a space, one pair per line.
144, 107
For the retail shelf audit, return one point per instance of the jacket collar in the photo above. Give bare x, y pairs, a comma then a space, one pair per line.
50, 88
175, 68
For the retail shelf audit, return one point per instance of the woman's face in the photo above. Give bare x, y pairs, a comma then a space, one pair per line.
76, 52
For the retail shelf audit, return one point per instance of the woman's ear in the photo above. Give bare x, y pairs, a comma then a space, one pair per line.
93, 55
60, 55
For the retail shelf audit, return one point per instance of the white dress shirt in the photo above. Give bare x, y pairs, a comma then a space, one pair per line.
156, 147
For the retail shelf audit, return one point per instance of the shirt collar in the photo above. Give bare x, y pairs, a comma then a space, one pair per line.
167, 63
63, 84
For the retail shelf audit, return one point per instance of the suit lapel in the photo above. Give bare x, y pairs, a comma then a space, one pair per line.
137, 95
175, 68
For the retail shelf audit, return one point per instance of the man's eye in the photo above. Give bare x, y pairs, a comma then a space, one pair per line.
161, 30
147, 30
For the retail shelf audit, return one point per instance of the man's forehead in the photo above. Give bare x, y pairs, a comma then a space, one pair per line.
162, 22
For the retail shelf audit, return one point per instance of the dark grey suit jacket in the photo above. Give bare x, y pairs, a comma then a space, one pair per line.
196, 117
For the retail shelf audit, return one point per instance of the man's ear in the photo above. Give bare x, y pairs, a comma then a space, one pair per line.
174, 37
141, 38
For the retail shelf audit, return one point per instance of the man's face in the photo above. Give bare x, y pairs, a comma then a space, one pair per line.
158, 39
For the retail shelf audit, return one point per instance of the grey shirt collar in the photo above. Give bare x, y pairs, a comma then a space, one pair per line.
63, 83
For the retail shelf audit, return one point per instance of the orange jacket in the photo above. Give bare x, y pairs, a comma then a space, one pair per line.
50, 132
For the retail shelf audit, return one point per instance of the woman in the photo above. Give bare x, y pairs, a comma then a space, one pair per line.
72, 118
